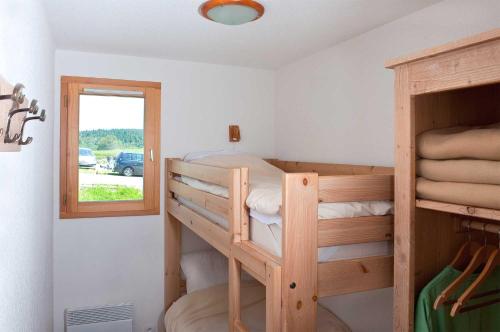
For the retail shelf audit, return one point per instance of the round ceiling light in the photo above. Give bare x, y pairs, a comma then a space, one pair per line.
232, 12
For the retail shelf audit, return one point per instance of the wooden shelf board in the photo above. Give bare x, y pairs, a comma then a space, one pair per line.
464, 210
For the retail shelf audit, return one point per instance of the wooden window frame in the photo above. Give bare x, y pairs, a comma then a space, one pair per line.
70, 207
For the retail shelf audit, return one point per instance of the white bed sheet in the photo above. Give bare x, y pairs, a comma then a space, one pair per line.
269, 237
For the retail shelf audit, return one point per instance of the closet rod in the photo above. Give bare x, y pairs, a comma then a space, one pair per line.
481, 226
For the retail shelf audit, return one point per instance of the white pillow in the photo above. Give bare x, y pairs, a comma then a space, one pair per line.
203, 154
265, 179
204, 269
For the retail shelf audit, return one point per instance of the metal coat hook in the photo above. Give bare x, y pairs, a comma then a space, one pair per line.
17, 95
33, 109
28, 140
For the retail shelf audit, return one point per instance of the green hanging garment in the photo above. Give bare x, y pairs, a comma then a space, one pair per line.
485, 319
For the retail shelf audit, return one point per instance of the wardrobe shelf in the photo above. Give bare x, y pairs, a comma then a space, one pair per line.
464, 210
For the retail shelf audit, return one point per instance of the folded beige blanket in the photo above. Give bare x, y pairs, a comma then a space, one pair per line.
460, 170
479, 195
460, 143
206, 311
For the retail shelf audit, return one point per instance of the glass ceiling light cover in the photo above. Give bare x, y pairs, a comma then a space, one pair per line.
232, 12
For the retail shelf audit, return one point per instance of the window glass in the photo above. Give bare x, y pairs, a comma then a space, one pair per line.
110, 127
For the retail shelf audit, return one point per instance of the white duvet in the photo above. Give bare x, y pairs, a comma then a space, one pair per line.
264, 199
265, 180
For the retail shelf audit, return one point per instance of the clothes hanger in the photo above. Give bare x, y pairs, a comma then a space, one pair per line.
492, 262
465, 252
479, 305
479, 258
460, 261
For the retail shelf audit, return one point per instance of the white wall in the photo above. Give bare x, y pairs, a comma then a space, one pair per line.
340, 101
337, 106
110, 260
27, 56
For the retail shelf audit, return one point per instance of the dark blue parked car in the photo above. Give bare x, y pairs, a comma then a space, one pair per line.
129, 164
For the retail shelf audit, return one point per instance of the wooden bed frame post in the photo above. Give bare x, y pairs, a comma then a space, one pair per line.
172, 260
234, 293
172, 245
273, 297
235, 227
300, 252
245, 215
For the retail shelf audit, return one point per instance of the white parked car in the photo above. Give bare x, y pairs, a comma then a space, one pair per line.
86, 158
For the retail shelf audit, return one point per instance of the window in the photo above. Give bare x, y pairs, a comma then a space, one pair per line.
110, 147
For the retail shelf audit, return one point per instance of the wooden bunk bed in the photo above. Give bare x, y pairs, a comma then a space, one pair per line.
295, 281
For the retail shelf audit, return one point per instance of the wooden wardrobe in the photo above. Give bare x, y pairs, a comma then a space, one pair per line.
454, 84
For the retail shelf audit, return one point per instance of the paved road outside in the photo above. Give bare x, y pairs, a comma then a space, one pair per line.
130, 181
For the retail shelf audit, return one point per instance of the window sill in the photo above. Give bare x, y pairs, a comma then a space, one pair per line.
102, 214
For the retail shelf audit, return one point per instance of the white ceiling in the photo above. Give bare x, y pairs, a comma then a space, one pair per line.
289, 29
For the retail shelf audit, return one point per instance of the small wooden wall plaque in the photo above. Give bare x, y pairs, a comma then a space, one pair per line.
234, 133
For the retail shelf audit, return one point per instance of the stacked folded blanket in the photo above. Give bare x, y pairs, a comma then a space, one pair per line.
460, 165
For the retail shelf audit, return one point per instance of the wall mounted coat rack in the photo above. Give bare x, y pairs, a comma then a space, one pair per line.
15, 113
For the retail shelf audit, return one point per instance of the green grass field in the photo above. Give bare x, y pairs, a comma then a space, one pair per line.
109, 193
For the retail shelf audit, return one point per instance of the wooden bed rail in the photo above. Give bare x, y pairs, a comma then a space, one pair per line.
355, 188
216, 175
344, 182
337, 232
254, 259
213, 203
215, 235
329, 169
355, 275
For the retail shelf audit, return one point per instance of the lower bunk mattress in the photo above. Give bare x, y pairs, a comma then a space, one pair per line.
206, 310
268, 237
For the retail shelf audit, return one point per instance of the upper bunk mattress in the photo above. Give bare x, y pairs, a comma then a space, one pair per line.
264, 198
206, 310
268, 237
